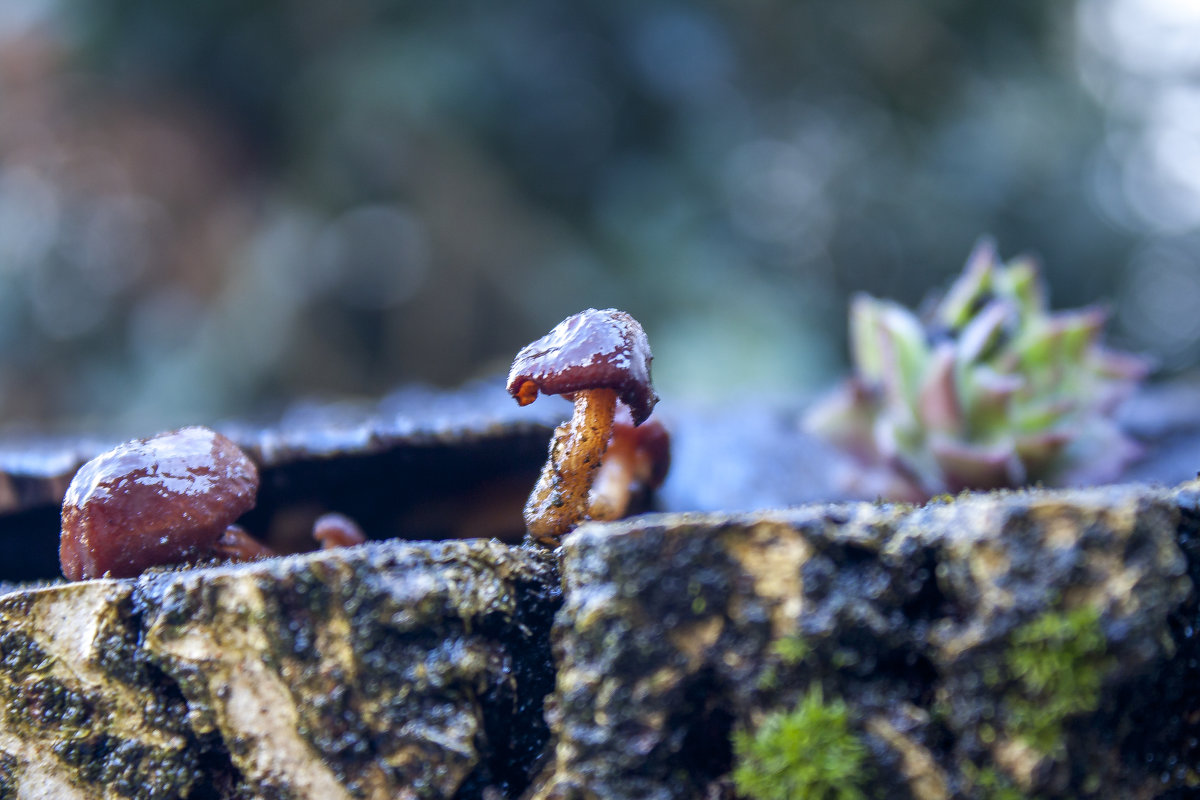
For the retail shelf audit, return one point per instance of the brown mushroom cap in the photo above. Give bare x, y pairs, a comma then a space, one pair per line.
337, 530
162, 500
591, 350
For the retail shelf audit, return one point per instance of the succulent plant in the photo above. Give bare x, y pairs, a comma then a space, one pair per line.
986, 389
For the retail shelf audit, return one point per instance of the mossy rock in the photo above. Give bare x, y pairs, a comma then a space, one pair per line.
994, 645
387, 670
1019, 644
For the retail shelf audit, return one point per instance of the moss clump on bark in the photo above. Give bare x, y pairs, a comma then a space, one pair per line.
808, 753
1058, 662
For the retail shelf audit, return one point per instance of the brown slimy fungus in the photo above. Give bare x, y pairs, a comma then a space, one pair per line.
163, 500
337, 530
593, 358
637, 458
237, 545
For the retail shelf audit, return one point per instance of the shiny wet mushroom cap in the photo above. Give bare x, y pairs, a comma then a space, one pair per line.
593, 358
590, 350
163, 500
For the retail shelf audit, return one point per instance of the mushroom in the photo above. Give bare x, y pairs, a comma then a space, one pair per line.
330, 530
337, 530
592, 358
164, 500
237, 545
638, 458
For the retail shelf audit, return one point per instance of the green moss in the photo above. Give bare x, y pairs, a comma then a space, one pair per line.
844, 658
808, 753
1058, 664
768, 679
792, 649
989, 784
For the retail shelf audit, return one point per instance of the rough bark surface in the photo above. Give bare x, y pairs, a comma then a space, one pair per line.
679, 630
382, 671
1020, 644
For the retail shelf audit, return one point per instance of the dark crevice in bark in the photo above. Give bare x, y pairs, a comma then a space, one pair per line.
514, 722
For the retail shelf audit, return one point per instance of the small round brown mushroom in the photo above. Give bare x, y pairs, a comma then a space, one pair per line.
592, 358
337, 530
237, 545
163, 500
638, 458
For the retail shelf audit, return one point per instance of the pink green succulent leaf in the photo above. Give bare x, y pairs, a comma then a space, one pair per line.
1079, 330
1125, 368
917, 467
897, 433
905, 329
865, 333
1060, 340
988, 400
905, 352
938, 405
987, 331
971, 289
1022, 281
992, 389
846, 418
1040, 452
1044, 414
971, 466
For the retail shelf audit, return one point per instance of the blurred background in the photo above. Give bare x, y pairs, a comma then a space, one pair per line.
209, 208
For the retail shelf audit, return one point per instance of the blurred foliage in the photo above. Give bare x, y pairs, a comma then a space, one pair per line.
209, 207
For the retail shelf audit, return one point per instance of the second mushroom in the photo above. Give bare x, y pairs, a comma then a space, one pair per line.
593, 358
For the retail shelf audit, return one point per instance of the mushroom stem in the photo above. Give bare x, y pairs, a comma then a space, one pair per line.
613, 484
559, 500
638, 458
